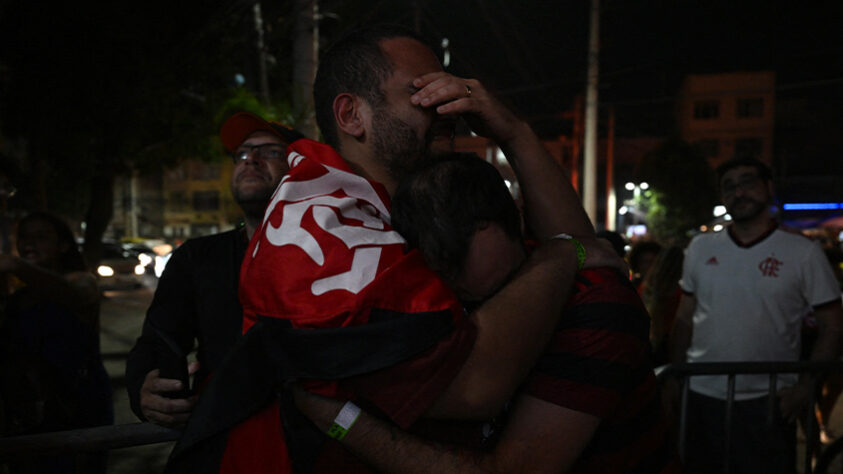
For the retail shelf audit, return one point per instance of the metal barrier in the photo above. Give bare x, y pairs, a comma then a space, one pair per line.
731, 370
136, 434
100, 438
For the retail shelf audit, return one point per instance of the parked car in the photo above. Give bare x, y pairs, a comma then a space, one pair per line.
125, 266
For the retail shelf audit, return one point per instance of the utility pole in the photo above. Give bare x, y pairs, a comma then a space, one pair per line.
305, 57
262, 75
576, 140
611, 198
590, 165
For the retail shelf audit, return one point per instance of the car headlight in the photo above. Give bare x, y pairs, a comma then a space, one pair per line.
144, 259
105, 271
140, 269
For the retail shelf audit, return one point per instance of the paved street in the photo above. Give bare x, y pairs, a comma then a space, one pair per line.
121, 319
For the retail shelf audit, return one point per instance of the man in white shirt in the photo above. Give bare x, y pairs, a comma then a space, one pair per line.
745, 291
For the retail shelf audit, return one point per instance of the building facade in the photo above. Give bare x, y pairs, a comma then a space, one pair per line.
728, 114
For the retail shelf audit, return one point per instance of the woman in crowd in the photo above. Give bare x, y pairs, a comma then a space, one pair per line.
52, 376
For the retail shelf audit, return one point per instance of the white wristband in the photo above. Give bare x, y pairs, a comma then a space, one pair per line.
344, 421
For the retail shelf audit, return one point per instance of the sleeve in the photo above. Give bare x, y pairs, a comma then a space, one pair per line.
819, 285
687, 283
406, 390
599, 356
171, 312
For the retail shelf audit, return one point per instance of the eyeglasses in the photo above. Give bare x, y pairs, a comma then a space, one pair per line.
744, 183
266, 151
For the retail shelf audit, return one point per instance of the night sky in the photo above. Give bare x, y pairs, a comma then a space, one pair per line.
532, 52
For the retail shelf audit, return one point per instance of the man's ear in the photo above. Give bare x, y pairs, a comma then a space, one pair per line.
348, 113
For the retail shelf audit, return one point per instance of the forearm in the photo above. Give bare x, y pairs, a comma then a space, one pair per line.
139, 363
65, 291
552, 205
827, 345
386, 447
680, 336
514, 327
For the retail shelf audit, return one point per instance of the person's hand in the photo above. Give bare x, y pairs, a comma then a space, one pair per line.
8, 263
600, 253
456, 96
793, 400
157, 408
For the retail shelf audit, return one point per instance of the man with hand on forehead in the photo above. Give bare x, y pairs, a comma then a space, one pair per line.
196, 301
326, 258
591, 402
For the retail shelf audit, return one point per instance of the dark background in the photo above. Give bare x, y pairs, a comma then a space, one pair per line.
92, 90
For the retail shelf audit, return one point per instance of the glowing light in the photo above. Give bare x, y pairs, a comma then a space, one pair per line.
703, 228
144, 259
644, 185
500, 157
623, 210
629, 186
105, 271
719, 210
812, 206
718, 228
139, 269
508, 184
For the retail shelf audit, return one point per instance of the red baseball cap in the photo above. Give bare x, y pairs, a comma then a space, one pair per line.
239, 126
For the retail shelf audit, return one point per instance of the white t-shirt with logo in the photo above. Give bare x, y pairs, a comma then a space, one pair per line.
750, 303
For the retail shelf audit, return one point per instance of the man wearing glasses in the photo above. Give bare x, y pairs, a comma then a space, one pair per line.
196, 298
746, 290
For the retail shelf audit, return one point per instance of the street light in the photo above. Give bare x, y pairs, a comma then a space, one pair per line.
631, 206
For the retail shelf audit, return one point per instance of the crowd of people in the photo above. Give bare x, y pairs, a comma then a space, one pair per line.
386, 306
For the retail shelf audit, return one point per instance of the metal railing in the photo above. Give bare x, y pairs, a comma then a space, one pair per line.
100, 438
137, 434
731, 370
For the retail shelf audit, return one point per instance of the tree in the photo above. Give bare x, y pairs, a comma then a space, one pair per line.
91, 91
682, 190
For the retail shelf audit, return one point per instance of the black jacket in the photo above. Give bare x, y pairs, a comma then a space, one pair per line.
196, 301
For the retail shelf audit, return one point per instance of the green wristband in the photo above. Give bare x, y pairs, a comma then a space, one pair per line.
577, 245
344, 421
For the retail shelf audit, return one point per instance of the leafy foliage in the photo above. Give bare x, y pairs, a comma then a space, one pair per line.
91, 91
682, 191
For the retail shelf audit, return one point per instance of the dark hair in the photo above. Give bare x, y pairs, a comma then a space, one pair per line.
439, 208
762, 169
71, 259
639, 250
354, 64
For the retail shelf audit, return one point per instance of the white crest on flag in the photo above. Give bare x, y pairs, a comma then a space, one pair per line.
360, 202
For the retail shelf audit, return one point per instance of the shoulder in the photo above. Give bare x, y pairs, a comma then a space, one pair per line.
208, 242
709, 238
798, 244
793, 237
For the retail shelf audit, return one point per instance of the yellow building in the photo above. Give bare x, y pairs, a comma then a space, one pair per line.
729, 114
197, 200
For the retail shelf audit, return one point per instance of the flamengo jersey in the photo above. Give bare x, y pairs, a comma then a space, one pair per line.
325, 256
750, 303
